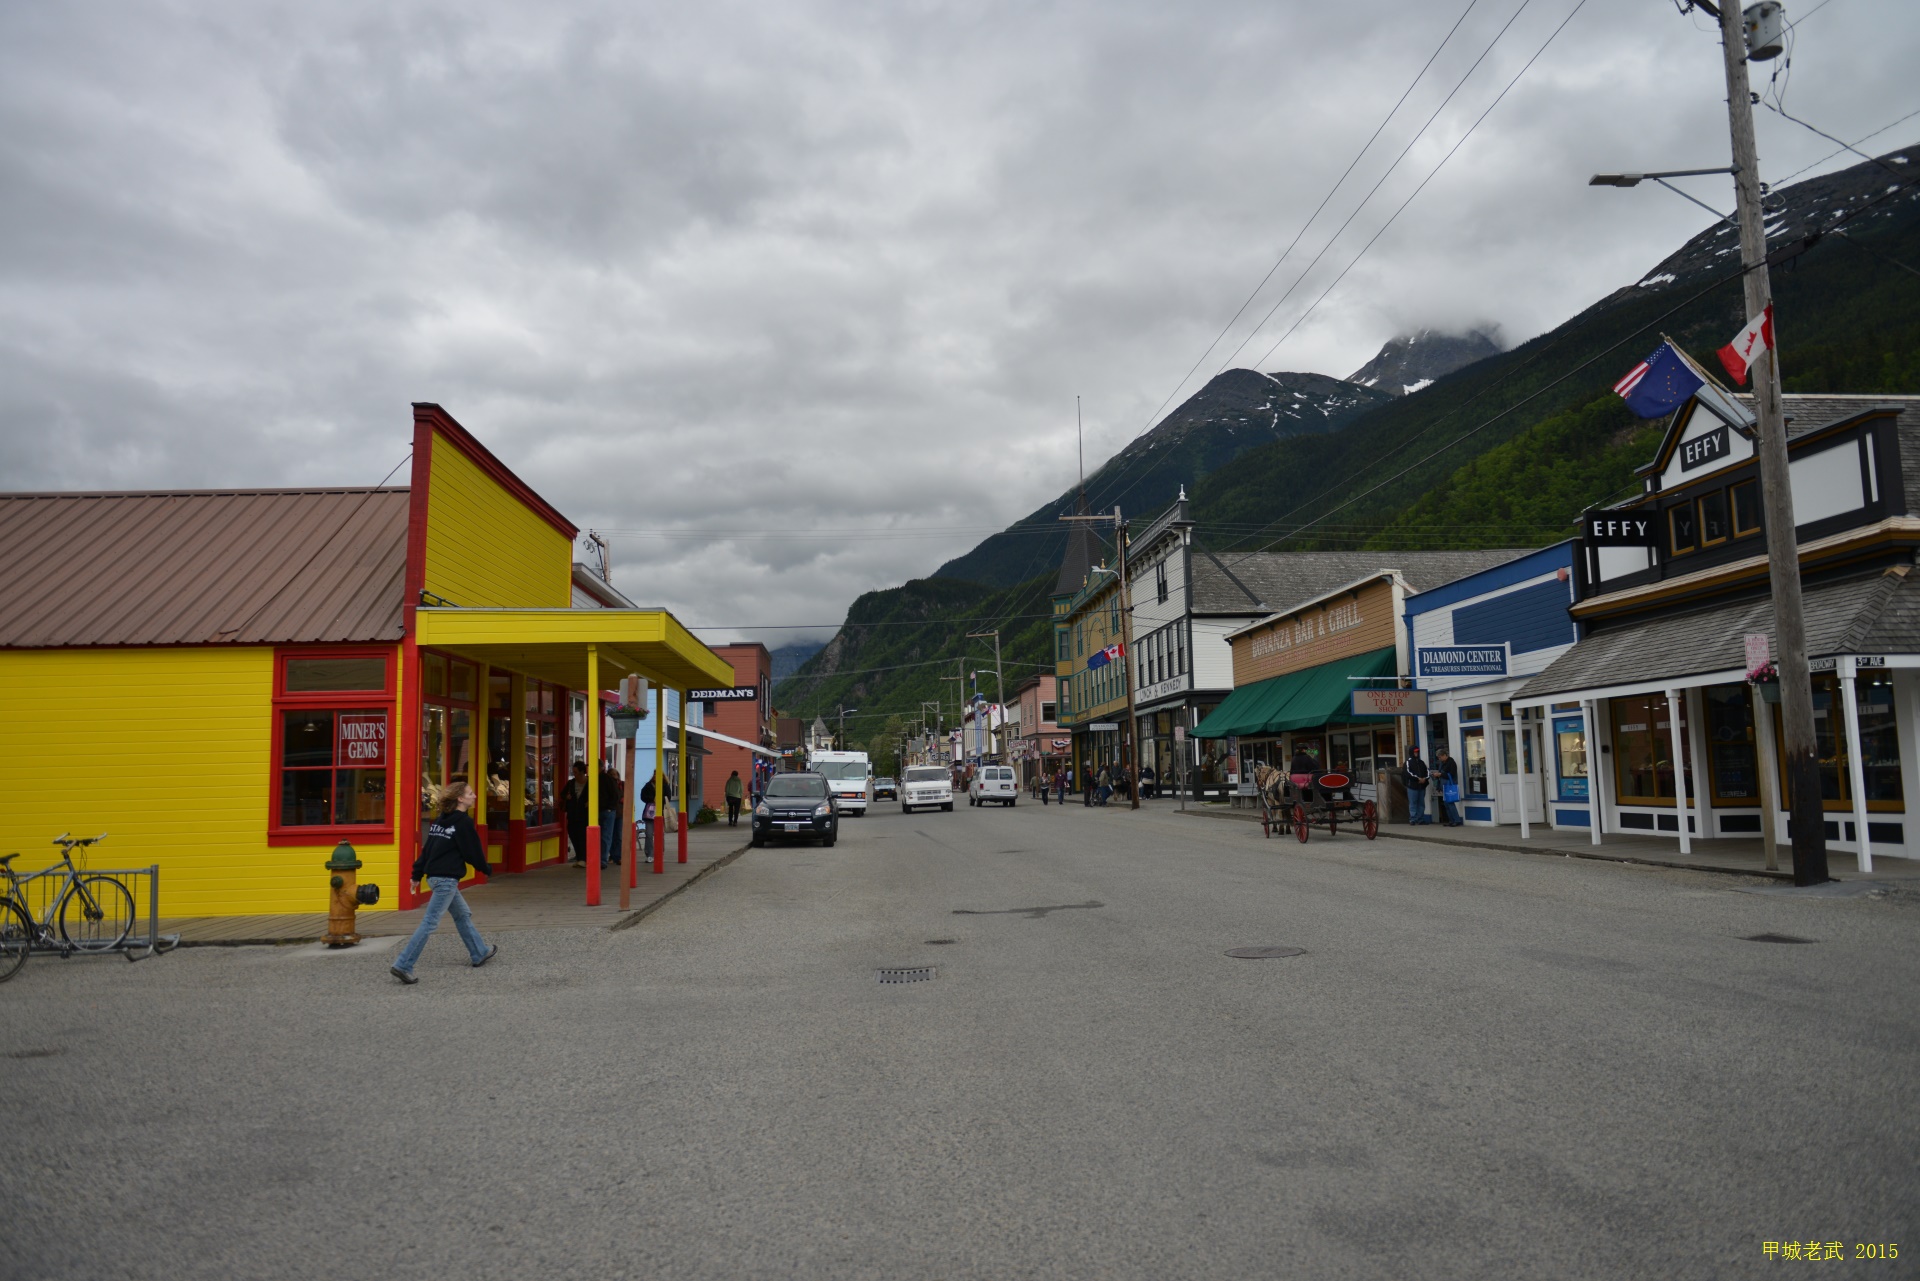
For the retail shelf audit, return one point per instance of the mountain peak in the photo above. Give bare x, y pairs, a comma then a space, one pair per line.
1411, 361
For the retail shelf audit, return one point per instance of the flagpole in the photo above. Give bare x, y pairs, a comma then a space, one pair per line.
1807, 820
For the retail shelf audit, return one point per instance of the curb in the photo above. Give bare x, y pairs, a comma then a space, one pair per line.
1545, 852
639, 914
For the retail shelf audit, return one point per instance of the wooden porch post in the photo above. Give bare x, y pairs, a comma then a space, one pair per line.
1856, 774
1675, 704
593, 775
659, 832
685, 750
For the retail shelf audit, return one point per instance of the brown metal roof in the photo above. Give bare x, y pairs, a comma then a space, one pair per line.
202, 567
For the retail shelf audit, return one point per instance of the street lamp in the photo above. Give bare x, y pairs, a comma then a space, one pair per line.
1635, 179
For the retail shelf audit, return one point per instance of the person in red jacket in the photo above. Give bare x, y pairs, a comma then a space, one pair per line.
452, 845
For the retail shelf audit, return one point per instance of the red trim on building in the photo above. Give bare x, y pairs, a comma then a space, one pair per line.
434, 418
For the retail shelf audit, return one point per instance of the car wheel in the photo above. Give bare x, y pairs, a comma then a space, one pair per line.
906, 809
1012, 801
757, 842
948, 807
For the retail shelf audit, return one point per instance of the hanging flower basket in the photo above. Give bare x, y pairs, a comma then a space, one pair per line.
1769, 690
626, 721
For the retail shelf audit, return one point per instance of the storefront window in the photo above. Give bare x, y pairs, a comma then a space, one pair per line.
1643, 750
499, 747
1731, 763
1570, 746
333, 718
450, 689
1473, 758
542, 743
1879, 742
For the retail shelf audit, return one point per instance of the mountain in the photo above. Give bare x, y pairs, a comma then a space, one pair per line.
1504, 451
1405, 365
1847, 312
789, 658
1236, 411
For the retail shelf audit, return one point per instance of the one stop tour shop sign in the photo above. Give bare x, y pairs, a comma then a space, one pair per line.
1389, 702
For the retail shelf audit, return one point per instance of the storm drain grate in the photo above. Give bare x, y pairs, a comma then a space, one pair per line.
911, 974
1265, 953
1774, 938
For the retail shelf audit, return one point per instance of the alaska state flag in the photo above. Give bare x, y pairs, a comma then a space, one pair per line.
1659, 384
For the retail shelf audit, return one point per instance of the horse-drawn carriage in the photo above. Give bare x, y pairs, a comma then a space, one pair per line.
1326, 798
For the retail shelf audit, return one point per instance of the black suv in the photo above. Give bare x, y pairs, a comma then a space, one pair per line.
799, 806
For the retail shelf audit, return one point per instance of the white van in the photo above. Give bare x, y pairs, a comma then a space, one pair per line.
993, 783
926, 786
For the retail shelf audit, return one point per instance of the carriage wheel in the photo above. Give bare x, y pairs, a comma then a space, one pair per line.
1300, 822
1266, 820
1370, 820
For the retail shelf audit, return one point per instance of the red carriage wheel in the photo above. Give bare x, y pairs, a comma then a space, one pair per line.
1370, 820
1300, 822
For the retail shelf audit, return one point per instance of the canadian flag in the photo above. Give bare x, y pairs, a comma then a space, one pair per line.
1738, 355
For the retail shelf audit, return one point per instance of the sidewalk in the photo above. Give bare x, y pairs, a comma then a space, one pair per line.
1742, 857
545, 898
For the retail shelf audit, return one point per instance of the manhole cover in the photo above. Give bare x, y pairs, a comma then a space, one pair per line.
915, 974
1265, 953
1774, 938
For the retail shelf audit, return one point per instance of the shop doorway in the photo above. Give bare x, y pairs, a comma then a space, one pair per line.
1520, 749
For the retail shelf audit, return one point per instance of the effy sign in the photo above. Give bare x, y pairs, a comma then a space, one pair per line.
362, 739
1618, 530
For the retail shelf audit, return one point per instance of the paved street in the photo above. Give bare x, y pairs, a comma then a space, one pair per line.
1484, 1065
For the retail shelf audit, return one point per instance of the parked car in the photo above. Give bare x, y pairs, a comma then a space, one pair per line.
994, 783
798, 807
925, 787
885, 789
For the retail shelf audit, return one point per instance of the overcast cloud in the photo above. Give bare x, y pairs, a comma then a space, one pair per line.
800, 268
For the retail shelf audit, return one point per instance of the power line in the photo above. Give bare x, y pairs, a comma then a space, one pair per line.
1411, 142
1579, 5
1846, 147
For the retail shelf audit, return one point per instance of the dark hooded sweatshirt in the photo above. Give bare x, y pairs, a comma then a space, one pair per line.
452, 846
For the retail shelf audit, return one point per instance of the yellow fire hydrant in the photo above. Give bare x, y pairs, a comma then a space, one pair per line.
348, 897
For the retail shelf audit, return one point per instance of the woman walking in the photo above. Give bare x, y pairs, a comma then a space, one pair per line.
452, 845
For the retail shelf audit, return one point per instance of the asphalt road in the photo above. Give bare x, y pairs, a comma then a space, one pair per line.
1484, 1065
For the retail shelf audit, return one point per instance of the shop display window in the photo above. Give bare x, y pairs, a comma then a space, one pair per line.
1516, 753
542, 748
1473, 762
499, 748
1879, 742
332, 733
1732, 765
1643, 751
1570, 748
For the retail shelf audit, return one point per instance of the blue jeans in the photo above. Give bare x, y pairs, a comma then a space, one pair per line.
609, 836
1417, 814
1448, 814
446, 898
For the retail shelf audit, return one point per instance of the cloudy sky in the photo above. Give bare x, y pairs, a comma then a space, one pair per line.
795, 298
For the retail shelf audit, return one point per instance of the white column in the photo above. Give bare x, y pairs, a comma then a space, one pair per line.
1675, 704
1522, 746
1855, 773
1768, 766
1595, 773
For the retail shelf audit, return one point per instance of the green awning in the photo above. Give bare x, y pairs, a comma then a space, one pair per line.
1298, 700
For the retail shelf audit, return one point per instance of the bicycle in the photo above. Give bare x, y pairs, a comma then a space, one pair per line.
94, 912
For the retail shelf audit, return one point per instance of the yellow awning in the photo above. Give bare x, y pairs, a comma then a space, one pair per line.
551, 644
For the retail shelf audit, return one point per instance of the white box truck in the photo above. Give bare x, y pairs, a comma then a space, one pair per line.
849, 777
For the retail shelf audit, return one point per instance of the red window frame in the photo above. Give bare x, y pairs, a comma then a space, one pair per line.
279, 834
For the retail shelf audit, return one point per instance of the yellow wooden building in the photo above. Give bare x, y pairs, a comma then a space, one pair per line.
230, 682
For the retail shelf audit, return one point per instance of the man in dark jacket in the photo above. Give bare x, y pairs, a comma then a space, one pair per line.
612, 792
1417, 775
452, 845
1449, 777
573, 799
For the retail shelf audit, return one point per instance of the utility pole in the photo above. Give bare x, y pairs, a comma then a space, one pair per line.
959, 717
999, 686
1127, 755
1806, 821
844, 709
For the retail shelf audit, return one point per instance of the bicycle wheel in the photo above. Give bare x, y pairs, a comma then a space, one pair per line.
16, 937
96, 914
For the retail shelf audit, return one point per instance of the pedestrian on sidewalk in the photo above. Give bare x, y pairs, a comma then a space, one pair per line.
1106, 786
1060, 784
1418, 775
1045, 781
573, 798
735, 790
1086, 785
1449, 788
612, 793
452, 845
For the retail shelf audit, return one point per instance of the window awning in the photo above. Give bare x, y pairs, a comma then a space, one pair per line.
1298, 700
551, 644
